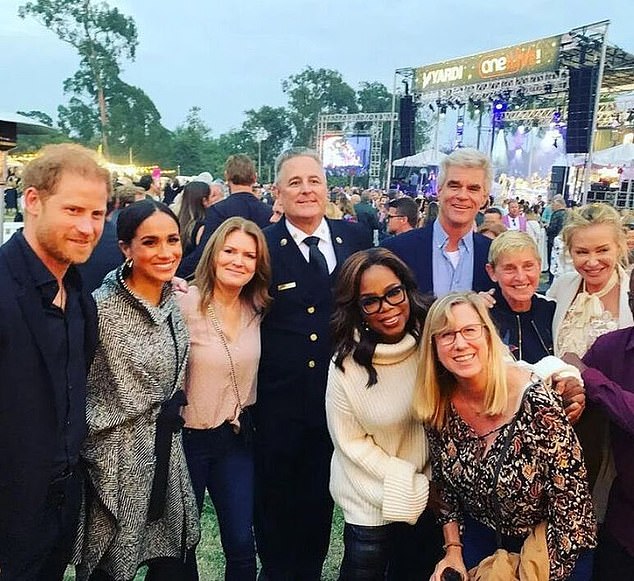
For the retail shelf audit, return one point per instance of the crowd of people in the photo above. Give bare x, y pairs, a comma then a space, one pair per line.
291, 347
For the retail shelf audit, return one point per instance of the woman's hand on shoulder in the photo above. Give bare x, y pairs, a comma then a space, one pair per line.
179, 285
573, 394
487, 297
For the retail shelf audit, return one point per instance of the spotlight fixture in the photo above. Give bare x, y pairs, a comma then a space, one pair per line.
431, 107
443, 109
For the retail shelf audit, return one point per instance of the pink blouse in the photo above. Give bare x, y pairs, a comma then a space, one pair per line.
210, 393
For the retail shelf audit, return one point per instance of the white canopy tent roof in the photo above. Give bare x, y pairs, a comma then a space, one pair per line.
422, 159
618, 155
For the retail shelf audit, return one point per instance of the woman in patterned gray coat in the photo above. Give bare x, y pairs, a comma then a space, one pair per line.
140, 506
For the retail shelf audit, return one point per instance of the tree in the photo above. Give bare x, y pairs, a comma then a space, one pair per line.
102, 36
192, 145
29, 143
374, 97
273, 120
315, 91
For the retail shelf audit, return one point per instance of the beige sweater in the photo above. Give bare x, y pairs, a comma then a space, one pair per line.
380, 468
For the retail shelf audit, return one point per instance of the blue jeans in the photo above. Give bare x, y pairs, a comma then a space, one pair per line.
480, 542
221, 462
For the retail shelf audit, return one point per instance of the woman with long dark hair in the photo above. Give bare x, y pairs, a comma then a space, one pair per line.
191, 216
141, 507
380, 464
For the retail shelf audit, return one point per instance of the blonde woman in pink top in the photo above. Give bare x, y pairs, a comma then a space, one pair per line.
223, 310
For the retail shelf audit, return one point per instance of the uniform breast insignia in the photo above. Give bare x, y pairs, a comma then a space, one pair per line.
286, 286
338, 240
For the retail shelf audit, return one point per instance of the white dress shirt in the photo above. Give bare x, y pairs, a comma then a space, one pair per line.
325, 242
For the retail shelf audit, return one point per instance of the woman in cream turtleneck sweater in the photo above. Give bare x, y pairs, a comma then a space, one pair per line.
380, 464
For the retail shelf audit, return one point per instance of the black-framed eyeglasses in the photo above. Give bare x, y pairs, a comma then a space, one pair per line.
468, 333
390, 216
395, 296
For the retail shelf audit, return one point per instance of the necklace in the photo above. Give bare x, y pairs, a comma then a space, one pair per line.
223, 339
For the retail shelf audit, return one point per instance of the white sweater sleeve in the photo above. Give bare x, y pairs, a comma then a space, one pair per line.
383, 480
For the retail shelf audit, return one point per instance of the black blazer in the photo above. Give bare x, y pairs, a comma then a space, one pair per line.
28, 417
243, 204
415, 249
296, 341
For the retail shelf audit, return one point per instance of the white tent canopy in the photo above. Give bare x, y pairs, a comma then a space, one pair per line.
422, 159
618, 155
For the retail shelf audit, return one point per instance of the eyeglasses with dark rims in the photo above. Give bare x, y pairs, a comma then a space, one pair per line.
395, 296
468, 333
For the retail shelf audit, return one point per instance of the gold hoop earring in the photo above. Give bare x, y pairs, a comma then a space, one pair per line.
129, 263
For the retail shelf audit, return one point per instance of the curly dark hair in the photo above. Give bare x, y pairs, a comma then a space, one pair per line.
350, 335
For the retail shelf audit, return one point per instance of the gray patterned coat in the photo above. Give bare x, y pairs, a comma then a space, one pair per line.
132, 375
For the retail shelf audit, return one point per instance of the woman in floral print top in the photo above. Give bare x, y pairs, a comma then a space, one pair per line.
503, 453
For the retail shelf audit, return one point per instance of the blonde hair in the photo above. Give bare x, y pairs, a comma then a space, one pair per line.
591, 215
256, 291
333, 212
509, 242
435, 383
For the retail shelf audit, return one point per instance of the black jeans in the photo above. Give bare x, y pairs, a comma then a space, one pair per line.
48, 553
611, 560
163, 569
396, 551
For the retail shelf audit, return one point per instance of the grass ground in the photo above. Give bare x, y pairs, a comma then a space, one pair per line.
211, 559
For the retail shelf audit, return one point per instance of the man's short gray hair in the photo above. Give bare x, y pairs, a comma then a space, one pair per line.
467, 157
283, 157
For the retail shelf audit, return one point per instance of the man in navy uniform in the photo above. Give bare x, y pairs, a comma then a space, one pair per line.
48, 334
448, 255
293, 508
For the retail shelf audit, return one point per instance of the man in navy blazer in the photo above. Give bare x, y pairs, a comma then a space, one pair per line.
240, 176
448, 255
293, 507
48, 334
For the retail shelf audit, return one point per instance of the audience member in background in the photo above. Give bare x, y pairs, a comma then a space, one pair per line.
492, 216
293, 510
367, 215
379, 472
347, 209
555, 224
223, 309
402, 216
592, 301
607, 371
333, 212
172, 189
240, 176
48, 334
430, 214
107, 255
191, 215
514, 220
150, 186
629, 239
491, 230
447, 255
537, 232
506, 459
278, 211
140, 508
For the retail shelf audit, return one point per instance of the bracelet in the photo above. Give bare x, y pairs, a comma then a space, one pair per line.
452, 544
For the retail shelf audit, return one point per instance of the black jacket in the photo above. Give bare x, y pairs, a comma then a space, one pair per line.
243, 204
528, 335
29, 424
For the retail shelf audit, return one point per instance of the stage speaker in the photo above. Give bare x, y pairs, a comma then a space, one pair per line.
582, 93
558, 177
407, 118
8, 135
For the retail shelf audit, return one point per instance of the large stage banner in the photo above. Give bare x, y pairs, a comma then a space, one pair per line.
538, 56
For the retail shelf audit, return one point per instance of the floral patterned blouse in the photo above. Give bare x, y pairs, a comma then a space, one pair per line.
542, 478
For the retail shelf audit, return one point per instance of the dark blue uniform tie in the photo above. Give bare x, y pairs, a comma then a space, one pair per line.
315, 256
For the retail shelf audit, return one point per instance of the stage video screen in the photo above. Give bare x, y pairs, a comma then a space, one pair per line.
346, 155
